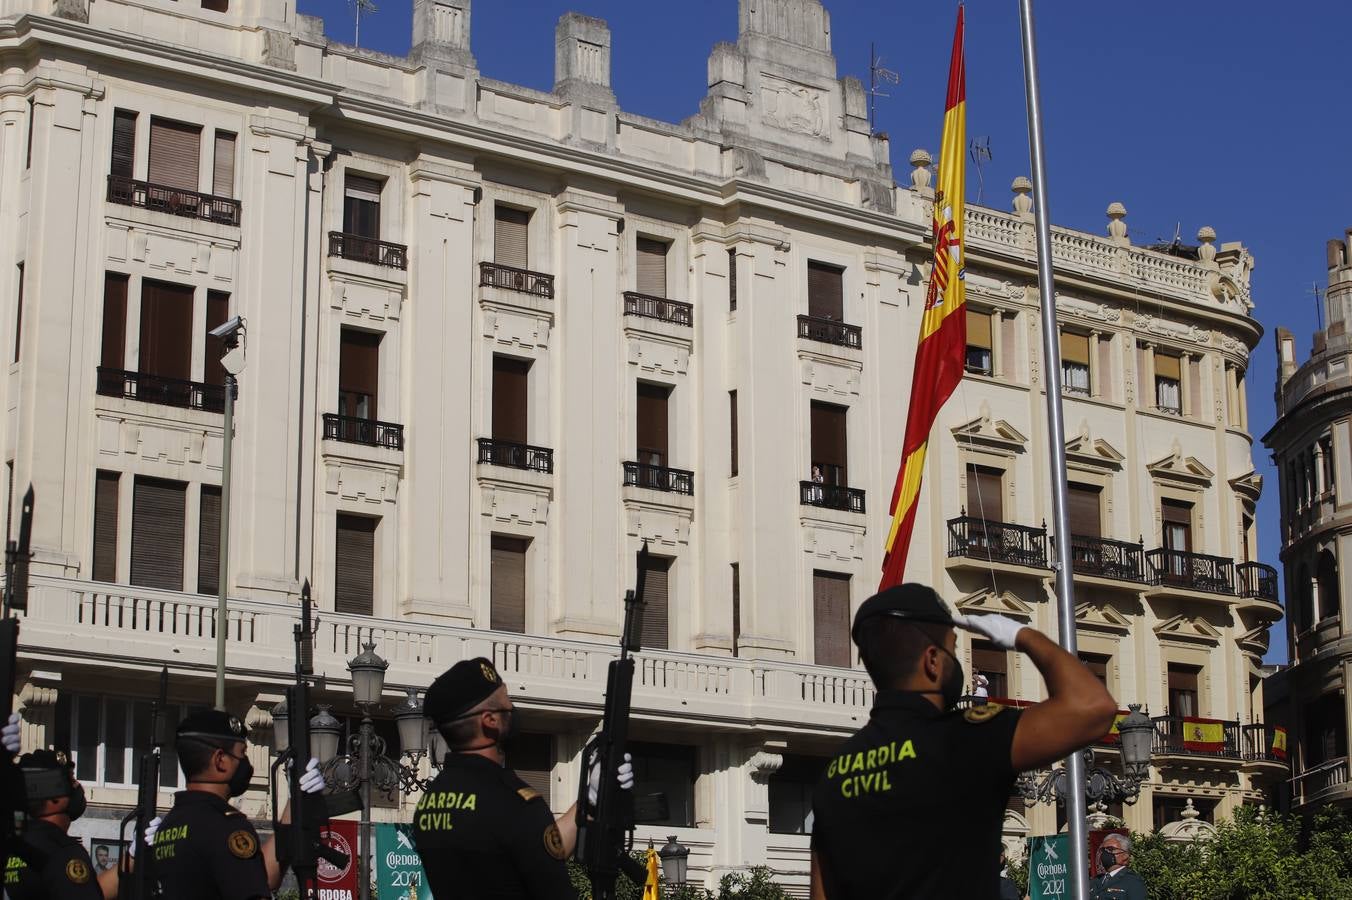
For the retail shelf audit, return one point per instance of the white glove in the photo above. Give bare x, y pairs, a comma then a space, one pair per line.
312, 780
151, 827
9, 735
624, 775
1002, 630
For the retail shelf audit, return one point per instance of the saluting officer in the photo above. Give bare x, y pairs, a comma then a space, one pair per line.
204, 847
481, 831
912, 805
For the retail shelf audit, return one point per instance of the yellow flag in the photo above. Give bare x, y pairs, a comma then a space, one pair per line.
650, 889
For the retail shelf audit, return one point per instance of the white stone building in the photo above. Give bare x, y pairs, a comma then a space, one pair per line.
497, 337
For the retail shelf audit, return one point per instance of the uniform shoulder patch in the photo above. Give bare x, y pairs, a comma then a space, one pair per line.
554, 842
242, 843
77, 871
983, 713
527, 794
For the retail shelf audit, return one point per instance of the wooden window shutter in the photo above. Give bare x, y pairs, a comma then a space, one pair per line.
1097, 664
1105, 367
361, 205
223, 165
979, 329
1167, 366
209, 540
736, 606
166, 330
174, 154
354, 582
507, 584
1176, 511
123, 164
732, 430
359, 373
1009, 343
831, 619
533, 761
655, 629
158, 524
825, 292
1074, 348
652, 423
511, 231
105, 526
829, 450
218, 310
652, 267
511, 379
985, 493
1085, 510
18, 314
1194, 387
732, 280
114, 321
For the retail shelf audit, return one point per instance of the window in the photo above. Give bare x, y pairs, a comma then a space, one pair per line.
358, 374
105, 737
166, 330
791, 794
1075, 363
175, 154
655, 630
651, 275
510, 381
980, 360
1326, 577
831, 619
158, 521
667, 769
732, 280
732, 432
1086, 516
354, 582
32, 125
124, 144
106, 485
533, 761
736, 607
18, 315
216, 5
992, 662
1325, 730
825, 291
218, 310
1098, 664
1168, 381
209, 540
223, 165
361, 206
511, 237
829, 452
652, 423
984, 493
507, 584
1176, 520
1183, 689
114, 321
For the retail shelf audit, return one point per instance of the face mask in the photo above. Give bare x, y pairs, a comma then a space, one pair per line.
951, 687
1107, 858
239, 782
77, 805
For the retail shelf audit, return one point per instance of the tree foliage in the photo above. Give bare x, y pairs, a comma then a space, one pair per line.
755, 883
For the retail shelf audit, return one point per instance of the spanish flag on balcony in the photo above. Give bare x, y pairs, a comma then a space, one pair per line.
1114, 735
941, 352
1203, 735
1279, 742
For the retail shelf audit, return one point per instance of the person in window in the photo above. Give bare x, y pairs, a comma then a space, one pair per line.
980, 686
817, 479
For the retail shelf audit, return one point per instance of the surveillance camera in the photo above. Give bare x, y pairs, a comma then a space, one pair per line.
228, 329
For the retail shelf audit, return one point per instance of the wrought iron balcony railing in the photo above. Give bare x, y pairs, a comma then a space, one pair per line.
659, 478
830, 331
509, 278
516, 456
1105, 558
354, 430
1321, 782
1196, 736
1257, 580
674, 311
161, 390
1193, 571
175, 202
997, 541
831, 496
368, 250
1261, 741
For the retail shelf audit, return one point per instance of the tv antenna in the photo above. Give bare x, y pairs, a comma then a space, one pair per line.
1318, 303
877, 75
360, 6
979, 149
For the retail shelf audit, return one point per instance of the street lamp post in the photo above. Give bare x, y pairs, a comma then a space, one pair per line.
231, 335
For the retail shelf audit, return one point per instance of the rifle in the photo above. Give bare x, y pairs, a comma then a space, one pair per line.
299, 842
17, 554
603, 840
140, 884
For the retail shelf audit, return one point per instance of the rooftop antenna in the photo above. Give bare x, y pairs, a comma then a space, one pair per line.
877, 75
1318, 303
361, 6
979, 149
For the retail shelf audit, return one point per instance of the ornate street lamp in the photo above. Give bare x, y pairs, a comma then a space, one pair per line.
281, 738
368, 676
412, 726
675, 860
1101, 785
324, 732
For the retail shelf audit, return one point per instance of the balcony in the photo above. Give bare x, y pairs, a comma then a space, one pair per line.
1257, 581
368, 250
830, 331
1321, 784
1195, 736
659, 478
516, 456
369, 432
523, 281
175, 202
999, 542
160, 390
1263, 743
1191, 571
831, 496
659, 308
1103, 558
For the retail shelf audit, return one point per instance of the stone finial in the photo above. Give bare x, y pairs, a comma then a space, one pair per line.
1023, 195
920, 173
582, 55
1206, 235
1117, 223
441, 30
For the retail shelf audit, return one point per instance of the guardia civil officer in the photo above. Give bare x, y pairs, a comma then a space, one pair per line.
912, 805
1118, 882
481, 831
204, 847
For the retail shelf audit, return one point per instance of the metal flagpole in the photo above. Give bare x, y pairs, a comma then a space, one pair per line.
1056, 436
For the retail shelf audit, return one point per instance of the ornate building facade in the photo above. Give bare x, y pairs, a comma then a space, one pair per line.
498, 337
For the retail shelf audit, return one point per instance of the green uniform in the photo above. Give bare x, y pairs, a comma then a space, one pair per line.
1124, 884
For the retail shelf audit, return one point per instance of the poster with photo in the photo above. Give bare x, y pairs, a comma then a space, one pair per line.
106, 853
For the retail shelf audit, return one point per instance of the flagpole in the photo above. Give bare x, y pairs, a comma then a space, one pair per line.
1056, 435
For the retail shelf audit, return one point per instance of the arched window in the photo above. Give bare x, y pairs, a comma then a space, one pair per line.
1304, 598
1326, 573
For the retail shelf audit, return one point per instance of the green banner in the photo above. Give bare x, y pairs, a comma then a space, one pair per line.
1049, 865
399, 871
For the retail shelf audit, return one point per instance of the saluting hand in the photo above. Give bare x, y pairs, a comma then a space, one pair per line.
1001, 630
9, 735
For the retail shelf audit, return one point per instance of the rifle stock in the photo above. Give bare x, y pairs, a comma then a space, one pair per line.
140, 883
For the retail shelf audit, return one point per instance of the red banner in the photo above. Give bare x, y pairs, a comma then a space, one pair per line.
335, 883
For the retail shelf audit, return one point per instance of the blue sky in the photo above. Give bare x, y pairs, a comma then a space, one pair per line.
1223, 114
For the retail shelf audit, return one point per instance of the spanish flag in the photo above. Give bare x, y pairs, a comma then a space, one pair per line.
1114, 735
1279, 742
941, 351
1203, 735
651, 891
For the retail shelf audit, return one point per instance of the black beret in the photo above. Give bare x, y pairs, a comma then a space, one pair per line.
913, 602
46, 774
461, 687
212, 725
